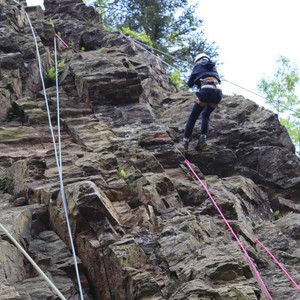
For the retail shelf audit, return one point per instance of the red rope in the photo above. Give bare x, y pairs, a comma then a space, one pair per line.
64, 43
232, 231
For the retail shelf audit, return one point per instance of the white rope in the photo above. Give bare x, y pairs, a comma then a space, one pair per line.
146, 47
58, 156
244, 89
59, 167
57, 108
39, 270
164, 53
58, 160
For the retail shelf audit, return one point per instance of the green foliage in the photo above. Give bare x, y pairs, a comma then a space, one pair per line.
276, 214
124, 175
52, 72
139, 36
171, 25
106, 28
293, 127
176, 79
5, 183
237, 186
52, 23
71, 44
279, 91
61, 64
82, 49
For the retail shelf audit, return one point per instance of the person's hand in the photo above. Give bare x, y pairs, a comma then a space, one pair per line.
197, 101
202, 104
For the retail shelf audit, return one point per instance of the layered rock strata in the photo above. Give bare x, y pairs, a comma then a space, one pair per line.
143, 228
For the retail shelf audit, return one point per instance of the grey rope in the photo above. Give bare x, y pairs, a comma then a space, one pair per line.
58, 159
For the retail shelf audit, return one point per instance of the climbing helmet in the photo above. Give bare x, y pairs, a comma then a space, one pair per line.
201, 56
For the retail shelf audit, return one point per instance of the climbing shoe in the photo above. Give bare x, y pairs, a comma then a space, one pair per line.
185, 143
201, 145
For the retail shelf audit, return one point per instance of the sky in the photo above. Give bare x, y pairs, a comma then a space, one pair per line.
250, 34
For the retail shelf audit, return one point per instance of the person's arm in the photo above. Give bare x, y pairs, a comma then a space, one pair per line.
191, 80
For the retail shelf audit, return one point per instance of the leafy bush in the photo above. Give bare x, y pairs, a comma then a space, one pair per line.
276, 214
52, 72
139, 36
176, 79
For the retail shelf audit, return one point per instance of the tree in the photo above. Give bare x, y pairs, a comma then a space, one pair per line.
171, 25
280, 94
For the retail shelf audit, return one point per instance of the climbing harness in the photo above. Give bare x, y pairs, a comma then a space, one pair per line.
58, 157
146, 47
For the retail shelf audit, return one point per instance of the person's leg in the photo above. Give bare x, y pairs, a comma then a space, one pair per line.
204, 127
213, 100
205, 118
196, 111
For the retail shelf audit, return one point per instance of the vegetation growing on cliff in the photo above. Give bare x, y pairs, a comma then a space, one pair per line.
172, 26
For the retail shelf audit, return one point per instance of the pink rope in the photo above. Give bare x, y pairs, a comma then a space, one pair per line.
230, 228
64, 43
279, 264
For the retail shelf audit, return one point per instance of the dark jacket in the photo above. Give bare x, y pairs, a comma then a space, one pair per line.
204, 69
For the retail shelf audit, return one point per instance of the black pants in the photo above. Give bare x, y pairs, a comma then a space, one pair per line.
206, 96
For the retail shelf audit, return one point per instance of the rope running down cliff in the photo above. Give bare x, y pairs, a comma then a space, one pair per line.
57, 158
15, 242
146, 47
258, 241
232, 231
239, 242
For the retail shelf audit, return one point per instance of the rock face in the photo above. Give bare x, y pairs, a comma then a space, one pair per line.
142, 227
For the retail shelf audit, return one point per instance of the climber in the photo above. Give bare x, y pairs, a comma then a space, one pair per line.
206, 78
